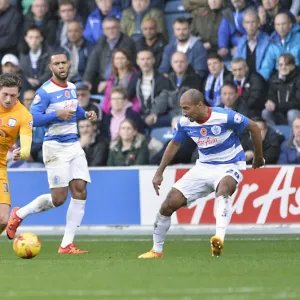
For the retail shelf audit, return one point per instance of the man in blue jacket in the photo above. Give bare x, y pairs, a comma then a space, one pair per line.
290, 150
188, 44
231, 28
253, 45
284, 40
93, 28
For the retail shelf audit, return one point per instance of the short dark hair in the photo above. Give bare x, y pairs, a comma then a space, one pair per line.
10, 80
145, 50
182, 20
59, 51
215, 56
288, 58
231, 85
66, 2
33, 27
259, 119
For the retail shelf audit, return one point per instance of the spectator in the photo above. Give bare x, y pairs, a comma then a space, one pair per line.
271, 143
214, 81
94, 25
184, 153
93, 144
78, 49
10, 25
284, 40
167, 104
84, 99
231, 28
230, 98
251, 87
121, 109
34, 63
290, 150
283, 104
268, 11
124, 75
39, 16
151, 40
253, 45
67, 13
186, 43
206, 22
130, 148
28, 98
99, 64
133, 17
150, 83
10, 64
36, 152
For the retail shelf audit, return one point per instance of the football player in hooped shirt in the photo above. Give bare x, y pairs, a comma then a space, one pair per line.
55, 106
221, 157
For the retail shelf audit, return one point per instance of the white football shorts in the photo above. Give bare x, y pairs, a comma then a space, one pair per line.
64, 162
203, 179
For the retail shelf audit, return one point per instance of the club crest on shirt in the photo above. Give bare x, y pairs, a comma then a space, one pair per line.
216, 130
31, 124
237, 118
67, 94
203, 131
11, 122
73, 94
36, 99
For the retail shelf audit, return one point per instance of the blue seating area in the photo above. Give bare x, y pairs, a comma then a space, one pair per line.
163, 134
285, 130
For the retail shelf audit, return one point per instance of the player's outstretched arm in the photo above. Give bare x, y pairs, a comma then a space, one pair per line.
258, 160
169, 154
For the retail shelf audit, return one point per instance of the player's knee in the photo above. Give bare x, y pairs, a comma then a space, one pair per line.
79, 194
224, 190
59, 199
3, 221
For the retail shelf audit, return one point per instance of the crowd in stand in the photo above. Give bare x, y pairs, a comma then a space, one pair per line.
241, 54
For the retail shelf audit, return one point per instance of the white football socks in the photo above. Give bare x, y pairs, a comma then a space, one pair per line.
74, 217
41, 203
223, 215
161, 227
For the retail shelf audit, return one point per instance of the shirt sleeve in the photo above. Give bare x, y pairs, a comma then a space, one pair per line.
237, 121
80, 113
38, 109
179, 134
26, 135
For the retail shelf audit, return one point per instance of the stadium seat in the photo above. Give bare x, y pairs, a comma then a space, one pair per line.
285, 130
163, 134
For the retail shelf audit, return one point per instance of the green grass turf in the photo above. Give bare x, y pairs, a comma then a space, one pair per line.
249, 269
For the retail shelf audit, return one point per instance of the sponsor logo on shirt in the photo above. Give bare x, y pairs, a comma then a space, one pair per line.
36, 99
11, 122
207, 142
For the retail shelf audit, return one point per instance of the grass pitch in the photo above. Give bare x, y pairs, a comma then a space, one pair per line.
252, 267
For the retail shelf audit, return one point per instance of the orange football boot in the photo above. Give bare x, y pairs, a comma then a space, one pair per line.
151, 254
216, 246
13, 223
71, 249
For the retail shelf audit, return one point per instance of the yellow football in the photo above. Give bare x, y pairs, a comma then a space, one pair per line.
27, 245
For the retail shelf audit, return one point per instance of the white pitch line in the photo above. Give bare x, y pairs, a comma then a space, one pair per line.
167, 292
170, 239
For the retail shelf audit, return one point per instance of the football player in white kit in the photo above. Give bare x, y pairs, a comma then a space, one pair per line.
55, 106
221, 157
